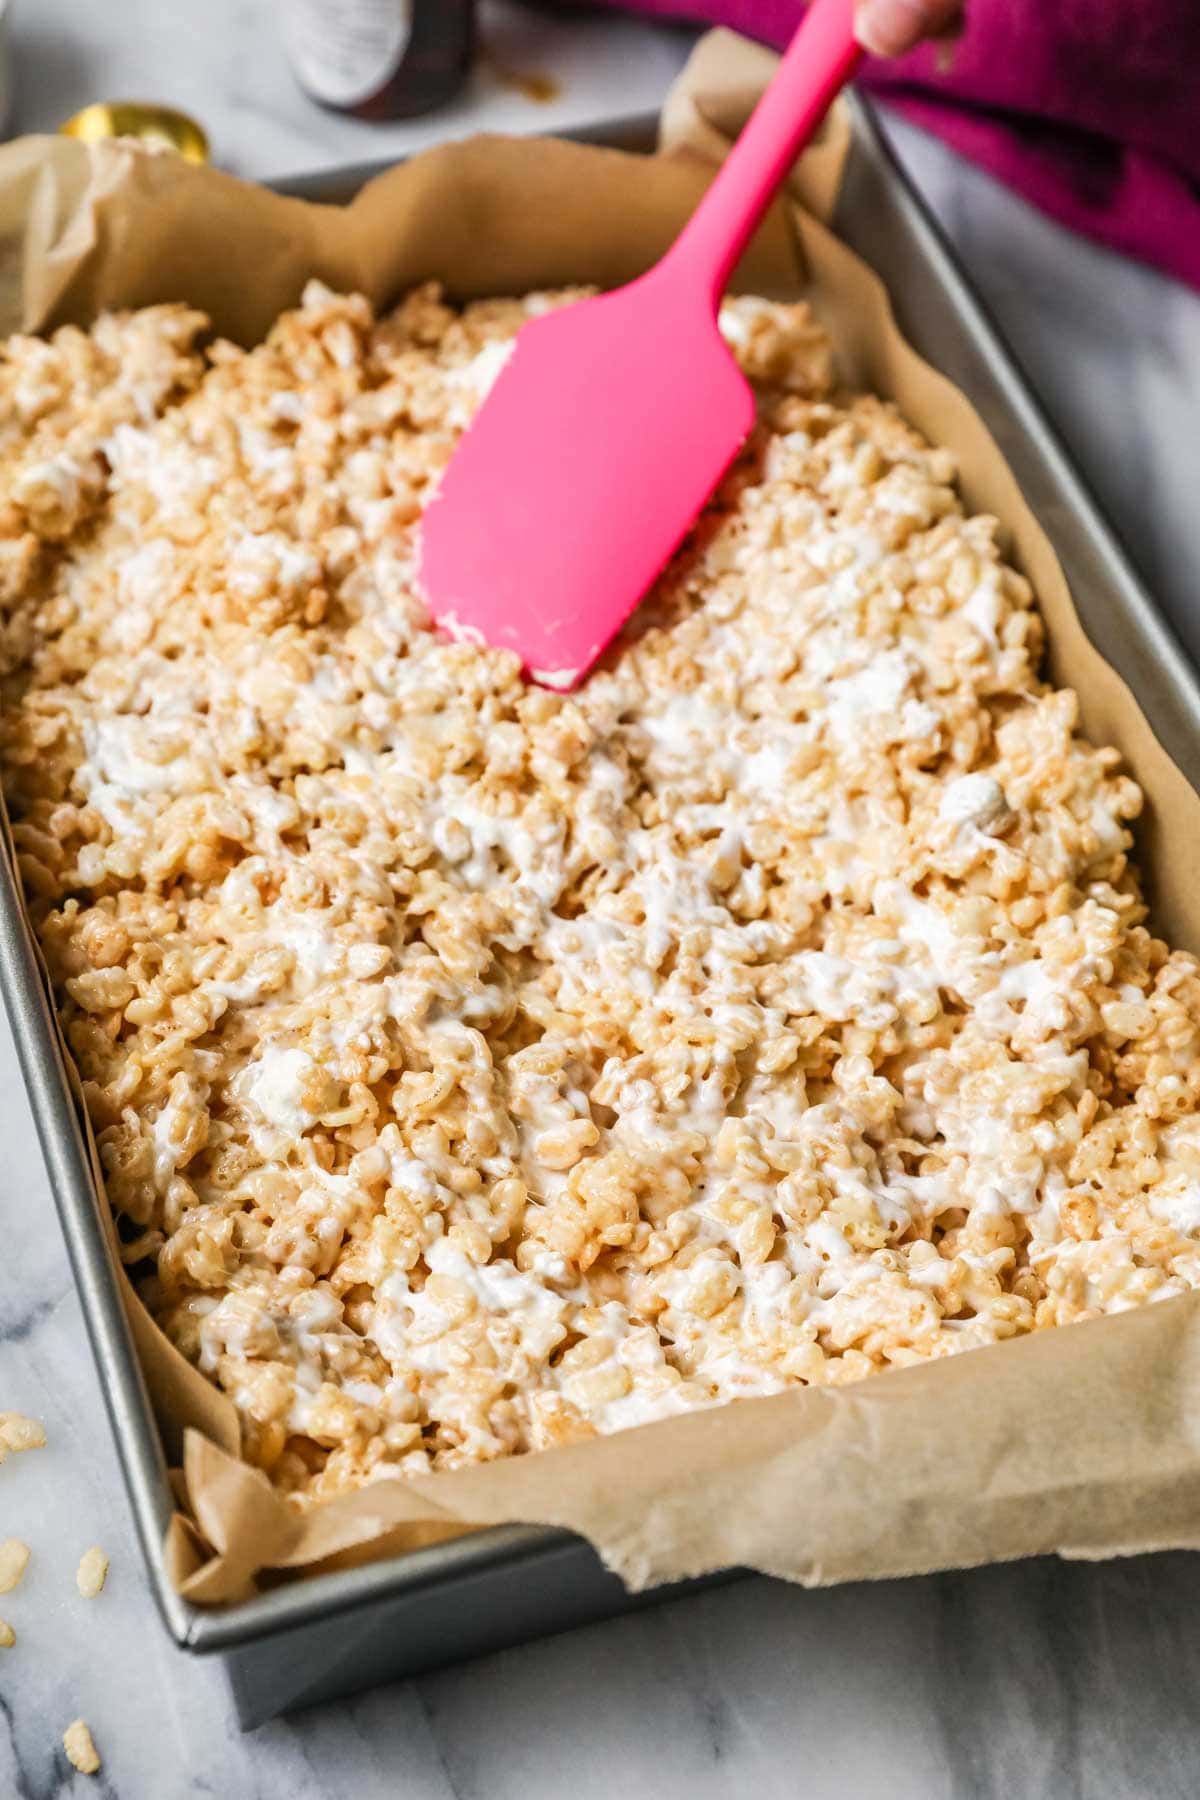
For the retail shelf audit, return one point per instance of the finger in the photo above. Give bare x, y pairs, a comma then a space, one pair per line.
890, 27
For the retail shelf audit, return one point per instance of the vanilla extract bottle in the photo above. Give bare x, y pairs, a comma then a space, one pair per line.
379, 59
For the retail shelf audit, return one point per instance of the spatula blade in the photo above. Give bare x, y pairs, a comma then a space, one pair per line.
602, 438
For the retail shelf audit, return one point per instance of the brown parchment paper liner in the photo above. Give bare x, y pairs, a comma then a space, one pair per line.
1085, 1440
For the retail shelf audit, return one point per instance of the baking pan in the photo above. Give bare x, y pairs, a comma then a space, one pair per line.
333, 1634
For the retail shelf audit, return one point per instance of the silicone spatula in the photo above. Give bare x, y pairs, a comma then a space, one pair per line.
612, 420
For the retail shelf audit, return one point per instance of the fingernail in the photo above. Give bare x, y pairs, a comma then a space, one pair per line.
887, 27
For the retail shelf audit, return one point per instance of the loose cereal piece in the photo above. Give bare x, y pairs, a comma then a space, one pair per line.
8, 1636
80, 1749
92, 1572
14, 1559
19, 1433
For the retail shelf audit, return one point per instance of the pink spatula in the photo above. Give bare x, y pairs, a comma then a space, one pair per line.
613, 420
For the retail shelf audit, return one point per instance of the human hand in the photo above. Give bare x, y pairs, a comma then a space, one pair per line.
890, 27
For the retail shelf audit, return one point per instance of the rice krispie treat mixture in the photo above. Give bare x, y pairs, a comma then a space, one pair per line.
477, 1068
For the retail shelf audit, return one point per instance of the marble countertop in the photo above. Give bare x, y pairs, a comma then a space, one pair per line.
1041, 1679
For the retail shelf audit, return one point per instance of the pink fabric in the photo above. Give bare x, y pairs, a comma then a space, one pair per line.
1090, 108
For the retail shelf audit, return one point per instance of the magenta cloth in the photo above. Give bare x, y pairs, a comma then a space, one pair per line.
1090, 108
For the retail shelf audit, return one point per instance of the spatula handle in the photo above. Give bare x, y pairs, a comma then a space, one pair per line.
820, 59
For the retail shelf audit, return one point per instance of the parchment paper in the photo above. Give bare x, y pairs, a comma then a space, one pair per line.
1083, 1440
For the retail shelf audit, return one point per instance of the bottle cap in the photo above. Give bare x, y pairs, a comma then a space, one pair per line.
158, 126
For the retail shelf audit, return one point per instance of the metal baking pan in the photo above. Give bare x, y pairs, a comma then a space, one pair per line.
337, 1633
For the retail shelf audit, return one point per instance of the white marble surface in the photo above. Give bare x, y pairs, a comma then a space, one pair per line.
1041, 1680
223, 61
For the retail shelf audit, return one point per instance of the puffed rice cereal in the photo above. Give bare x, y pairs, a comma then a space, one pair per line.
81, 1750
8, 1636
14, 1560
19, 1433
92, 1573
476, 1068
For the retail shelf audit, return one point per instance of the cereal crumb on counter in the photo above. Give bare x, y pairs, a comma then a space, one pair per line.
8, 1636
80, 1748
476, 1068
19, 1433
92, 1573
14, 1560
